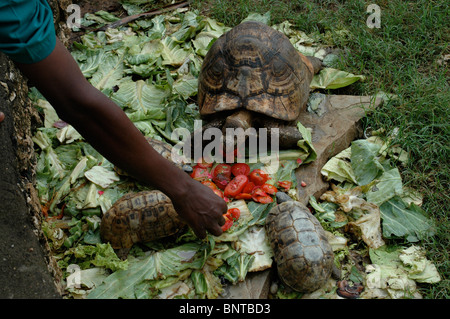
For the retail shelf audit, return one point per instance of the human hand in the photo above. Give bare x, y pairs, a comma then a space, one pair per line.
201, 209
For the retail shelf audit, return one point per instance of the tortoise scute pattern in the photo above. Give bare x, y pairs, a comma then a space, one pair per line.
139, 217
302, 253
254, 67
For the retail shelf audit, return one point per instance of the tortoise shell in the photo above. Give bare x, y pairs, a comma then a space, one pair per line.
139, 217
302, 253
254, 67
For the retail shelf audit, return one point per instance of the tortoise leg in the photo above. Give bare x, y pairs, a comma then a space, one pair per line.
122, 253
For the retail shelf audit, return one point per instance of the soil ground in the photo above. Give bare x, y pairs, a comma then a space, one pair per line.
23, 268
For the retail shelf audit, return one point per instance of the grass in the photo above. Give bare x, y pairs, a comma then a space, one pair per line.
402, 57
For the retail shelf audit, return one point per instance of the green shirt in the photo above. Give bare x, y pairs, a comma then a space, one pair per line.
27, 33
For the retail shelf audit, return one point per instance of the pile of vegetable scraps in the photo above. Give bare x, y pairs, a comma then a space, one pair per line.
149, 67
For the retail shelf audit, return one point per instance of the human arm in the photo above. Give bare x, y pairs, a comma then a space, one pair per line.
107, 128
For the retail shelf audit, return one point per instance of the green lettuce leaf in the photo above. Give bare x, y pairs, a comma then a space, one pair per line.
306, 144
264, 18
388, 185
330, 78
255, 243
418, 266
339, 168
100, 255
109, 72
141, 100
400, 220
364, 161
158, 265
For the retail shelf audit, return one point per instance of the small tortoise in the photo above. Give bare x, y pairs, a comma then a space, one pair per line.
253, 77
139, 217
143, 216
302, 253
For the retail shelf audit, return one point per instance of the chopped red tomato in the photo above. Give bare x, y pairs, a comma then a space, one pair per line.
245, 196
258, 177
209, 184
258, 191
269, 189
234, 213
264, 199
202, 163
248, 188
236, 186
218, 192
228, 223
285, 184
260, 196
240, 169
221, 175
200, 174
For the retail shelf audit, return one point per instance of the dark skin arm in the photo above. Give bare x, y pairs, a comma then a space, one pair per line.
107, 128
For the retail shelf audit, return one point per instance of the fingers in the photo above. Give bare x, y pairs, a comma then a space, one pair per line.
199, 232
216, 230
213, 227
2, 116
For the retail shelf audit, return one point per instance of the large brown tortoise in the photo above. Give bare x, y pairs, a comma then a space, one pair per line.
252, 76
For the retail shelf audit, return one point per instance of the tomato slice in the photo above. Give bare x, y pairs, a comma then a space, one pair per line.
202, 163
218, 192
245, 196
228, 223
285, 184
264, 199
200, 174
209, 184
258, 191
236, 186
248, 188
221, 175
221, 169
234, 213
258, 176
240, 169
269, 189
221, 181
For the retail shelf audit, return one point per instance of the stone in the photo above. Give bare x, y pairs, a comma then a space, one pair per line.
255, 286
335, 123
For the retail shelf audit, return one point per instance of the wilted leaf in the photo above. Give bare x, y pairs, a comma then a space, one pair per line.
387, 186
364, 160
158, 265
330, 78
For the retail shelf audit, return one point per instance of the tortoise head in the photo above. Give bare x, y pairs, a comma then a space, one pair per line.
254, 67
